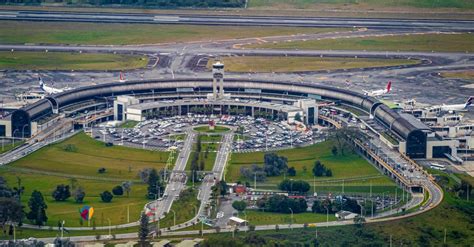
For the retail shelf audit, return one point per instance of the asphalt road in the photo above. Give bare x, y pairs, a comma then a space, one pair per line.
238, 20
177, 180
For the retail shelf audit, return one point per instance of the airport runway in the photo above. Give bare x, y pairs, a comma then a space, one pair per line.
452, 25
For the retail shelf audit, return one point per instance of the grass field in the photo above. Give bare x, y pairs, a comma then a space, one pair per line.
129, 124
206, 129
464, 74
313, 4
302, 64
126, 34
69, 210
90, 155
424, 42
25, 60
269, 218
356, 172
7, 147
53, 165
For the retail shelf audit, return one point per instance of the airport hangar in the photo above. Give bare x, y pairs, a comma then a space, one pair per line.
416, 140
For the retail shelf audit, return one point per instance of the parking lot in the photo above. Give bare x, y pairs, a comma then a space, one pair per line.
252, 134
262, 135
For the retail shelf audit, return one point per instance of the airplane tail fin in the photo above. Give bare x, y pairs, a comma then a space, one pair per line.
469, 102
389, 86
40, 81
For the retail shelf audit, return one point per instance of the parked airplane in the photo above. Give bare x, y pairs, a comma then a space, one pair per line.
379, 92
458, 107
50, 90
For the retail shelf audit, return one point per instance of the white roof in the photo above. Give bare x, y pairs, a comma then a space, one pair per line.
236, 219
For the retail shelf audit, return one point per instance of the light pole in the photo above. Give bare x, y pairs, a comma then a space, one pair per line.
110, 227
245, 218
62, 228
327, 216
23, 131
13, 136
291, 185
174, 217
291, 225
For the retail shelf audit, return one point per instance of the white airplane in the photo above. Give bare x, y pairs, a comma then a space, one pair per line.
50, 90
458, 107
380, 92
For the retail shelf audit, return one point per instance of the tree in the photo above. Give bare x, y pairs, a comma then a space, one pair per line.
298, 117
334, 150
117, 190
342, 137
318, 169
79, 195
106, 196
61, 193
274, 165
299, 186
291, 171
359, 220
143, 229
222, 185
101, 170
317, 207
127, 187
10, 211
239, 205
328, 173
282, 204
38, 208
155, 187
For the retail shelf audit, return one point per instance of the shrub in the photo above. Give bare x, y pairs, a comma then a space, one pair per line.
106, 196
61, 193
117, 190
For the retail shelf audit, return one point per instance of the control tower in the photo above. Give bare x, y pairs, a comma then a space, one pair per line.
218, 76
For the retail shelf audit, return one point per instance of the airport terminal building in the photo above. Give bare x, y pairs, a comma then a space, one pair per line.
139, 100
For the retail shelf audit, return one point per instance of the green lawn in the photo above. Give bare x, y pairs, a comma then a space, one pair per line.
12, 32
206, 129
89, 156
69, 210
351, 167
53, 165
209, 159
211, 138
302, 64
8, 147
27, 60
129, 124
425, 42
270, 218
